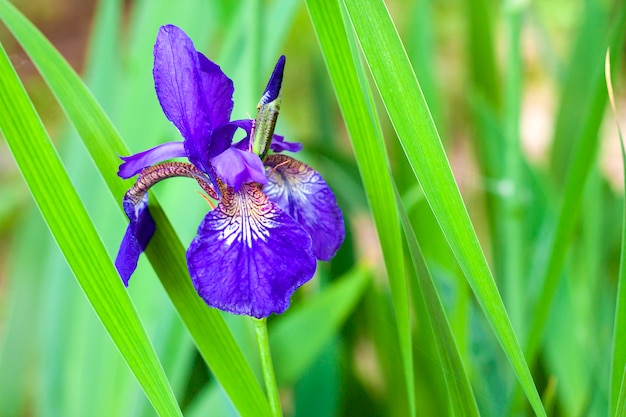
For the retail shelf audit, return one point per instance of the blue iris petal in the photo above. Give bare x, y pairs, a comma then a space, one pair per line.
304, 195
236, 167
249, 256
138, 233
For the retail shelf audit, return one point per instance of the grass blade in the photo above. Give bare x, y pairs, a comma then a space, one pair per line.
457, 381
358, 112
400, 91
617, 384
620, 409
76, 236
551, 259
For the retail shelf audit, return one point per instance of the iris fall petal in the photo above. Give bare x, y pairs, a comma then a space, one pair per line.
302, 192
138, 234
249, 256
279, 145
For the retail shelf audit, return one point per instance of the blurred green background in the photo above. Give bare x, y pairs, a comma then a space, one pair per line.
515, 92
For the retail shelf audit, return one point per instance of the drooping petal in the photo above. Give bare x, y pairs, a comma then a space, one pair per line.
304, 195
249, 256
185, 82
278, 141
279, 145
236, 167
138, 234
135, 163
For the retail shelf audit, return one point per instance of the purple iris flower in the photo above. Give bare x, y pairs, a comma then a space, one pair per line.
275, 215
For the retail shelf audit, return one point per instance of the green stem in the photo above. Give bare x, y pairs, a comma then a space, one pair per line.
260, 326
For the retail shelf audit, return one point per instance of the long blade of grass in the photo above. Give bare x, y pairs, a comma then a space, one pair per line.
77, 238
620, 409
457, 381
617, 385
577, 86
165, 252
358, 112
400, 91
511, 221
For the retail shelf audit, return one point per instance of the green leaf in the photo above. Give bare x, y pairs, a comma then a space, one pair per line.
299, 336
617, 384
620, 409
358, 112
77, 238
400, 91
563, 223
459, 388
166, 253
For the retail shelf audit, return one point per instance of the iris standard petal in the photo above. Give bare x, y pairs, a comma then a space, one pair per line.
218, 91
196, 96
249, 256
178, 86
302, 192
135, 163
236, 167
138, 234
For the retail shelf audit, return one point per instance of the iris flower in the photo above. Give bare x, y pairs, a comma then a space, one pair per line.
275, 215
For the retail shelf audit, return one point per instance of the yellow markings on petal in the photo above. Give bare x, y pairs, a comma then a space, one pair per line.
246, 215
271, 172
293, 179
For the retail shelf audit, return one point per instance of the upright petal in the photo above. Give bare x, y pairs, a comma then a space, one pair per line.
218, 91
304, 195
138, 234
181, 76
249, 256
178, 85
236, 167
135, 163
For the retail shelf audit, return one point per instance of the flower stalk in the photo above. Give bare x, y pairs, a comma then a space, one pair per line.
269, 376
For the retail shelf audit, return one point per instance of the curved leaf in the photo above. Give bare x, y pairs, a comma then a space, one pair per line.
77, 238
